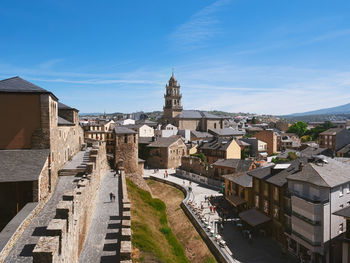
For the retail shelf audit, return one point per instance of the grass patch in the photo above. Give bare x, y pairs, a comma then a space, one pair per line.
149, 224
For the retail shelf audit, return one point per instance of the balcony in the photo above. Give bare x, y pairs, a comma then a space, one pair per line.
308, 199
312, 243
307, 220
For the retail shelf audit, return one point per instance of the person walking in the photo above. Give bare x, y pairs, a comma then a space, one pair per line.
110, 197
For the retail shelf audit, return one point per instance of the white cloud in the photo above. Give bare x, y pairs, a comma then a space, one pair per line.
201, 27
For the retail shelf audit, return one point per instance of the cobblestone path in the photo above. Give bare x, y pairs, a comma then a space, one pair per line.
103, 239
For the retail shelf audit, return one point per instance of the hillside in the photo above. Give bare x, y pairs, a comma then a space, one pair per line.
342, 109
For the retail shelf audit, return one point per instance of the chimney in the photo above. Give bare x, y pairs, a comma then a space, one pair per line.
301, 166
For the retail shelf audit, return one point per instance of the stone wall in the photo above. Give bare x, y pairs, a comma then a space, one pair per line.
66, 233
126, 152
195, 165
125, 245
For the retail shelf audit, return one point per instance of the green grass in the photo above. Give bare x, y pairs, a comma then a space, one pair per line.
150, 224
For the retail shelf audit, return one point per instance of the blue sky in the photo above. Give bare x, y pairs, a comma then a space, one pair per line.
273, 57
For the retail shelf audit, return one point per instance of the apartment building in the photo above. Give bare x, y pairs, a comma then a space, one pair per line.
318, 190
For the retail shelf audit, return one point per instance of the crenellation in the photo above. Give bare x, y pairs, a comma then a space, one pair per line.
46, 250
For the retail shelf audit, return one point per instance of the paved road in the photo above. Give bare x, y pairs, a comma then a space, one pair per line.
103, 240
260, 250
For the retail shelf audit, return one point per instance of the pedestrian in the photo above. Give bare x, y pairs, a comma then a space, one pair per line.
110, 197
190, 182
211, 208
113, 197
166, 173
183, 182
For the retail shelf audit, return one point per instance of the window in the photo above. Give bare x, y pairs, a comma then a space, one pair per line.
347, 189
330, 142
341, 228
275, 212
125, 138
275, 194
266, 189
256, 201
348, 203
266, 207
341, 190
256, 185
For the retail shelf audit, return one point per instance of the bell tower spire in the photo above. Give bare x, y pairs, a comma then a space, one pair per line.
172, 98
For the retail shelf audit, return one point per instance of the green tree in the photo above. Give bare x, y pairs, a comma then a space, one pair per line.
298, 128
253, 120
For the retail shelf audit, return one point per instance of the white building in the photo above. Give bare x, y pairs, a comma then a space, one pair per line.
318, 188
169, 130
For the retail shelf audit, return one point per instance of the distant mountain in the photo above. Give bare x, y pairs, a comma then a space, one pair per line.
343, 109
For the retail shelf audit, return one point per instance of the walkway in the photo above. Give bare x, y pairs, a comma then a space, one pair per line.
103, 238
23, 248
261, 249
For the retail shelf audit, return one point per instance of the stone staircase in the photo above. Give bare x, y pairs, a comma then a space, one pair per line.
77, 166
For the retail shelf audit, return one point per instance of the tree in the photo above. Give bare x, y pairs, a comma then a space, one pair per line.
298, 128
254, 120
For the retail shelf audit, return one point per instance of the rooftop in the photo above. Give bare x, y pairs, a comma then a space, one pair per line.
63, 122
123, 130
242, 179
195, 114
22, 165
19, 85
165, 141
331, 131
226, 132
62, 106
238, 164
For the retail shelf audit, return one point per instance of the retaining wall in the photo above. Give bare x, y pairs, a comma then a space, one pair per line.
200, 179
66, 232
214, 248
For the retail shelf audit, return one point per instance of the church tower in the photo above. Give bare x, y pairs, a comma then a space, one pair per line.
172, 97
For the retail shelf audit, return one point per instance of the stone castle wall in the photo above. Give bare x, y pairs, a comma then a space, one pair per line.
66, 233
126, 152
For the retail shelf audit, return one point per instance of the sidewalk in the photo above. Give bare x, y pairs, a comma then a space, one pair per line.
259, 250
103, 239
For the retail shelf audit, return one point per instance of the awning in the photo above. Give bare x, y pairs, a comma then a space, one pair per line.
254, 217
235, 200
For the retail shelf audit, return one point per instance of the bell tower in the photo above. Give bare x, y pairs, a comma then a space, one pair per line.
172, 98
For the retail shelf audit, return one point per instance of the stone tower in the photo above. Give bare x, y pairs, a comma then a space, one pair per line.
172, 97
